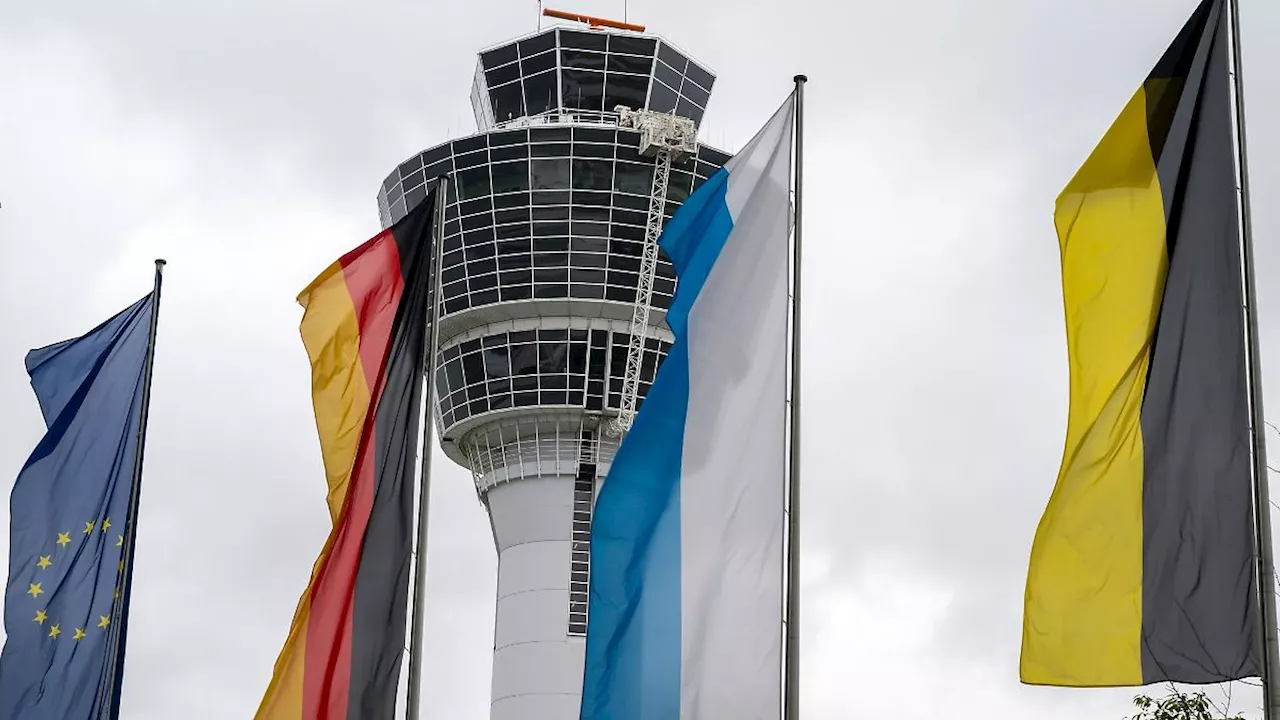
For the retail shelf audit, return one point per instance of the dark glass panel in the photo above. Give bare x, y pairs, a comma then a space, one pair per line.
408, 166
511, 200
415, 196
483, 282
583, 89
516, 292
479, 205
499, 56
550, 291
685, 108
504, 74
437, 154
473, 183
550, 150
514, 152
634, 178
550, 275
662, 98
581, 212
587, 292
509, 216
582, 275
508, 102
516, 277
513, 247
672, 57
593, 135
510, 177
632, 45
553, 382
700, 75
524, 359
453, 370
629, 64
537, 43
588, 197
473, 368
591, 229
584, 40
471, 159
626, 90
589, 244
696, 94
510, 137
538, 63
593, 151
582, 60
549, 134
589, 260
550, 259
549, 197
475, 222
549, 229
550, 174
621, 294
540, 93
592, 174
551, 213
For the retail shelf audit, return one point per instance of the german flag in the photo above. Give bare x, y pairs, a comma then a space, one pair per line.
364, 327
1142, 569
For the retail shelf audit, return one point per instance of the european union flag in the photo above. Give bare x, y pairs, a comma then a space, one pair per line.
69, 544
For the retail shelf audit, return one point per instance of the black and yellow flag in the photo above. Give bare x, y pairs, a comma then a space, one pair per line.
1142, 568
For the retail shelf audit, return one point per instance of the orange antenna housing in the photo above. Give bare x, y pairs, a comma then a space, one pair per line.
594, 22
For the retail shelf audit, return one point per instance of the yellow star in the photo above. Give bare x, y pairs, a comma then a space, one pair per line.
55, 631
88, 527
119, 540
44, 562
79, 634
106, 525
115, 594
34, 590
41, 616
64, 539
103, 621
121, 565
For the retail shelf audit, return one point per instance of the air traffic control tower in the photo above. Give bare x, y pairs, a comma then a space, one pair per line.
552, 324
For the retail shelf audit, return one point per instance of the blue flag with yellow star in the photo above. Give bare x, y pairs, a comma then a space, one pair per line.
69, 544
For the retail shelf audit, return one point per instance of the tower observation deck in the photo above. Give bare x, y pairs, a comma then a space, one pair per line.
546, 218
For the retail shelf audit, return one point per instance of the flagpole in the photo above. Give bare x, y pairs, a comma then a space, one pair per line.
792, 696
1261, 490
125, 583
413, 696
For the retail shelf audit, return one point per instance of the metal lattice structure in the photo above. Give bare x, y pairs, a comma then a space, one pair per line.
665, 138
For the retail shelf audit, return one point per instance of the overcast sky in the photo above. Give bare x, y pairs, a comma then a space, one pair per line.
244, 141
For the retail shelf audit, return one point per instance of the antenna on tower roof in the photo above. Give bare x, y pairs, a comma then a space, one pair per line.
591, 21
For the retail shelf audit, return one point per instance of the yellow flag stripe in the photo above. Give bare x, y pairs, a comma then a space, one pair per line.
1083, 614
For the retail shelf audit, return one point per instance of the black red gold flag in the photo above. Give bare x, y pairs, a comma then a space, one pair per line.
365, 328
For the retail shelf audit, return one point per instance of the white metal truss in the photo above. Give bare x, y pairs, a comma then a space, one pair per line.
666, 138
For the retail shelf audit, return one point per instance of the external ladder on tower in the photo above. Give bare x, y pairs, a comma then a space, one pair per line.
666, 138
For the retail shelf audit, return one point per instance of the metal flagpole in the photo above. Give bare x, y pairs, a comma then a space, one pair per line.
1261, 492
792, 701
413, 696
125, 582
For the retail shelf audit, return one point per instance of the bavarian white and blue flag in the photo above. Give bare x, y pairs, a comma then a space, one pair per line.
65, 600
686, 602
